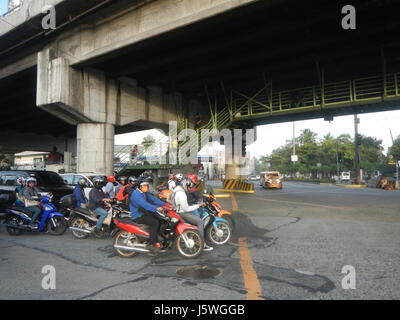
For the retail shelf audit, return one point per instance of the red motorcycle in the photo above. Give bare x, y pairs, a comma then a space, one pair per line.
133, 238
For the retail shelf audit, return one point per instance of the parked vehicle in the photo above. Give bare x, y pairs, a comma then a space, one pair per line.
71, 179
133, 238
47, 182
345, 176
271, 179
17, 219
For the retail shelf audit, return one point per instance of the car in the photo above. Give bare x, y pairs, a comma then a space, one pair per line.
47, 182
345, 176
254, 178
72, 179
271, 179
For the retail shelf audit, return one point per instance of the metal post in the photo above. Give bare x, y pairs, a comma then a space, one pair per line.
356, 151
337, 160
294, 144
397, 163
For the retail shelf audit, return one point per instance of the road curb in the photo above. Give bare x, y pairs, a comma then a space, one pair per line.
352, 185
238, 191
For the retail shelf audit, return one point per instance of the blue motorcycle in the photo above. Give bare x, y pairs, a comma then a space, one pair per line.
217, 230
17, 219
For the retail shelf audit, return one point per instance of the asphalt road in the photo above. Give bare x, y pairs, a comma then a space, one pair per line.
289, 244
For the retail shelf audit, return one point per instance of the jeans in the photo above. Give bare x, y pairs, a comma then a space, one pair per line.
36, 212
194, 220
103, 215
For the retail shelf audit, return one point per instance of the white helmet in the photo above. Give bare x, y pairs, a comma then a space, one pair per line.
21, 181
31, 179
179, 177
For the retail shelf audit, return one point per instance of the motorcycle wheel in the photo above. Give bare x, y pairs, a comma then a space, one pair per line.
59, 229
214, 236
122, 239
196, 244
14, 221
82, 224
230, 220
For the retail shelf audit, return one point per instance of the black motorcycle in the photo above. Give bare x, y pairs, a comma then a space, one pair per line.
82, 222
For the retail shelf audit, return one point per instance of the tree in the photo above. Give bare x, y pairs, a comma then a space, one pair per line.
148, 141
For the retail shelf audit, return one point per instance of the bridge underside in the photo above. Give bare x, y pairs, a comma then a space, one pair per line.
284, 43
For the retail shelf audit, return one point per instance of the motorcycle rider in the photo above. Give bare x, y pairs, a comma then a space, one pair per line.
109, 189
96, 202
144, 208
19, 202
194, 196
79, 193
177, 180
121, 183
180, 203
125, 192
31, 196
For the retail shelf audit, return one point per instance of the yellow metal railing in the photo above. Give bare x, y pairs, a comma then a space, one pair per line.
375, 88
265, 102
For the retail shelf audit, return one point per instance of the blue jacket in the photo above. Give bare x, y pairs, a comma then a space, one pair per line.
146, 201
80, 196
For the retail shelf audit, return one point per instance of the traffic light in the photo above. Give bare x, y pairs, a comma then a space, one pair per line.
340, 157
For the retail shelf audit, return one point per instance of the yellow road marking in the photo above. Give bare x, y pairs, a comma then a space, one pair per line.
251, 282
234, 203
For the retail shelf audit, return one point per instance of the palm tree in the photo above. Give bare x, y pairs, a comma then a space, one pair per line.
148, 142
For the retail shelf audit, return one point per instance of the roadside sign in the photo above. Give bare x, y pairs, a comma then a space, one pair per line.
294, 158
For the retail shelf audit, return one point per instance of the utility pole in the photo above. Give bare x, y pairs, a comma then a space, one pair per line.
397, 163
294, 144
337, 160
356, 150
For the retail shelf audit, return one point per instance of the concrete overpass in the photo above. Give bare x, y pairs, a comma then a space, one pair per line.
120, 66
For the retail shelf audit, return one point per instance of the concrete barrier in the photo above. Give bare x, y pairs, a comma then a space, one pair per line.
236, 185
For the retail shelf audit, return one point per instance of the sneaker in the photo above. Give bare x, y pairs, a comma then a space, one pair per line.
33, 226
98, 233
207, 248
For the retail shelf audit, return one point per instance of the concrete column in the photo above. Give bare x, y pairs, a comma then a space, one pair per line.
95, 148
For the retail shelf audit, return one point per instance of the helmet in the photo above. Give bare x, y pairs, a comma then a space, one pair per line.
21, 181
143, 183
122, 178
111, 178
31, 179
82, 182
187, 184
179, 177
132, 179
193, 177
98, 182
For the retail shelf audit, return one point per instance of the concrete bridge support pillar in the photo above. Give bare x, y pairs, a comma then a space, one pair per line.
95, 144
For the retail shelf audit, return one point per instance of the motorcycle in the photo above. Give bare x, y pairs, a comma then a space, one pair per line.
221, 213
164, 193
17, 219
216, 229
133, 238
83, 221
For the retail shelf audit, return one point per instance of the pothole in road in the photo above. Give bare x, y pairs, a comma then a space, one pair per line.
198, 272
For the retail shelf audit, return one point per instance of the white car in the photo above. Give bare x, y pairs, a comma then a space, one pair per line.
72, 179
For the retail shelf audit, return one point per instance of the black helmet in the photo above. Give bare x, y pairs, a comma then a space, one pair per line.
132, 179
98, 182
122, 178
82, 182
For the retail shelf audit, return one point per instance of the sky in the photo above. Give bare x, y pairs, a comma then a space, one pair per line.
272, 136
3, 6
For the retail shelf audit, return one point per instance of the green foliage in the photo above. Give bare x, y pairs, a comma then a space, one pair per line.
148, 142
320, 155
